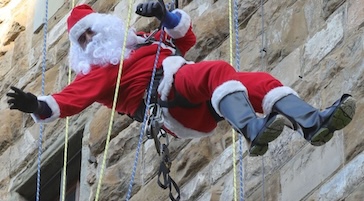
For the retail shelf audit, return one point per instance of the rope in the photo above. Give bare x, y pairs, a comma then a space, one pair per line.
146, 110
263, 48
237, 58
114, 102
237, 61
263, 52
145, 115
65, 154
231, 63
41, 129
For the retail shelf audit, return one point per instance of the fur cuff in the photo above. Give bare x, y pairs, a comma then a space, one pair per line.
179, 130
275, 95
171, 65
52, 103
182, 27
224, 89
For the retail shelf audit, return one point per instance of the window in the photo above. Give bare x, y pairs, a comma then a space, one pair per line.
52, 170
39, 13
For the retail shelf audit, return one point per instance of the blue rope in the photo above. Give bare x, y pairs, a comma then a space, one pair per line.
145, 114
237, 57
263, 52
241, 175
41, 130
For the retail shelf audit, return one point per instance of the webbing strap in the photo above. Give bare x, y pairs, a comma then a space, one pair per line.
164, 170
177, 101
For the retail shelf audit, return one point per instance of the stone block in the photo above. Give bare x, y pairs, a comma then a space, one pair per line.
311, 166
223, 190
357, 194
355, 16
58, 30
14, 157
343, 182
329, 6
323, 42
353, 133
13, 33
280, 152
217, 169
122, 10
6, 61
99, 128
288, 71
271, 191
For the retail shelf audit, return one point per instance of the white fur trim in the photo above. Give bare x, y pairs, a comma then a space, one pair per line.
224, 89
275, 95
171, 65
52, 103
80, 27
164, 46
179, 130
182, 27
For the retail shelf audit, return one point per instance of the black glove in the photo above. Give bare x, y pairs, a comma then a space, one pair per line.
151, 9
25, 102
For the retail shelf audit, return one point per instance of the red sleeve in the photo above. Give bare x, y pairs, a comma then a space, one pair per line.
186, 42
84, 91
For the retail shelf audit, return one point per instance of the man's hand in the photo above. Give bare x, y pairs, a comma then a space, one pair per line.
25, 102
151, 9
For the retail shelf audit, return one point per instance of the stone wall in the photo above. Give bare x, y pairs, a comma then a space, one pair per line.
316, 47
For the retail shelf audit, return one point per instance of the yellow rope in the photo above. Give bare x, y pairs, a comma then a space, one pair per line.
115, 101
231, 63
65, 155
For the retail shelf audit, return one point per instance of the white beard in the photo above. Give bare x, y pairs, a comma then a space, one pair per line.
105, 47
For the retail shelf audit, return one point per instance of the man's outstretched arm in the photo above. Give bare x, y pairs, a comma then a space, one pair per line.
28, 103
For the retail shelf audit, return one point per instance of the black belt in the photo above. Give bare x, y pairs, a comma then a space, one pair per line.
139, 113
178, 100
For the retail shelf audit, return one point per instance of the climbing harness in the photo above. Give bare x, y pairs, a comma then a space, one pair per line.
153, 125
164, 170
152, 128
154, 120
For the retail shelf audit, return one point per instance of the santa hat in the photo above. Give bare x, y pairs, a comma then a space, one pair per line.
81, 18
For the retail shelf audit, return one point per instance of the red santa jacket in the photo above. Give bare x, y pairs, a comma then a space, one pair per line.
100, 83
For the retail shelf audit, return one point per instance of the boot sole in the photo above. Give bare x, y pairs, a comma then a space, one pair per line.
272, 131
340, 118
258, 150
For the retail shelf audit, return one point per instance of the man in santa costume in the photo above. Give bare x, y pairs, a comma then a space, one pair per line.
212, 89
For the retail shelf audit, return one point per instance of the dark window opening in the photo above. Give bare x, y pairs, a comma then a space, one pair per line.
52, 173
